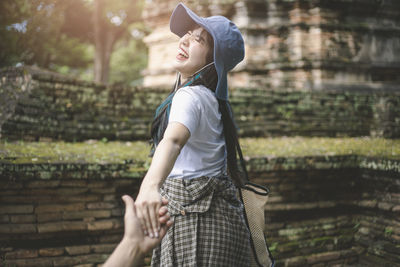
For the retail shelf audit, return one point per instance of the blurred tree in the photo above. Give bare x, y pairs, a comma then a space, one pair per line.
58, 34
128, 60
102, 23
30, 33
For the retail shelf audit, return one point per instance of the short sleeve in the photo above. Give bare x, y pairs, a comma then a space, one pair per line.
185, 109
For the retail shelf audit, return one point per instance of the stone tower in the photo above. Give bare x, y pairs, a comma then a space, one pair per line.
293, 44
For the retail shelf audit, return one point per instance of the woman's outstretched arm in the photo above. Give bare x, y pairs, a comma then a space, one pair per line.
148, 201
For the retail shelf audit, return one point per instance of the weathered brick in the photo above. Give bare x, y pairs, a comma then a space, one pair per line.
78, 250
43, 184
80, 259
17, 228
102, 225
61, 226
103, 248
385, 205
106, 190
97, 184
21, 254
4, 219
321, 257
59, 207
110, 198
6, 185
73, 183
35, 262
51, 252
100, 205
70, 191
16, 209
23, 218
117, 212
295, 261
49, 217
86, 214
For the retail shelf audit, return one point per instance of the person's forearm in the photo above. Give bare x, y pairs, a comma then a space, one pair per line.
163, 161
126, 254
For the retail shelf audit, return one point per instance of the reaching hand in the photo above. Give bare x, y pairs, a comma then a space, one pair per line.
134, 245
133, 227
148, 204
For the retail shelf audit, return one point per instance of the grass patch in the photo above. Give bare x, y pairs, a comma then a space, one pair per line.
315, 146
138, 151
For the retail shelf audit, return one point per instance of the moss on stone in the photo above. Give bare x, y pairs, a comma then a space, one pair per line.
137, 152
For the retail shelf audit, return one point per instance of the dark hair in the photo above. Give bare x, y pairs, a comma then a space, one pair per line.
209, 78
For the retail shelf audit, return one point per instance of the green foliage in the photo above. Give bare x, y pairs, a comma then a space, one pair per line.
304, 146
117, 152
31, 34
127, 62
388, 231
58, 35
86, 152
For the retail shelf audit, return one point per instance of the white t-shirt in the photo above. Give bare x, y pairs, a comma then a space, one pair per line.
204, 154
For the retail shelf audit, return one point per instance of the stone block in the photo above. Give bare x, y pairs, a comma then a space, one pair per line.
107, 190
4, 219
73, 183
85, 198
70, 191
23, 218
43, 184
102, 225
16, 209
97, 184
385, 206
86, 214
78, 250
103, 248
21, 254
80, 259
34, 262
59, 207
17, 228
323, 257
61, 226
295, 261
51, 252
49, 217
100, 205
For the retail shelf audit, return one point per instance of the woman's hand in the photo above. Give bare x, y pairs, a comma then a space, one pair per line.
148, 203
135, 245
132, 225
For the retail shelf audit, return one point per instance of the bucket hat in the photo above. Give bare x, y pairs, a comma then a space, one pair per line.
228, 41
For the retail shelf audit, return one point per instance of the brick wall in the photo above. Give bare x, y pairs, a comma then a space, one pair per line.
40, 105
322, 211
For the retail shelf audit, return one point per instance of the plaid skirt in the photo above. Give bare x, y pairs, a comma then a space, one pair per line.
209, 227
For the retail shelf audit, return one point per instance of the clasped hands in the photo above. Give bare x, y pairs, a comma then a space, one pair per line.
149, 205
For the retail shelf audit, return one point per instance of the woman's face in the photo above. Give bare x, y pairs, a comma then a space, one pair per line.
192, 52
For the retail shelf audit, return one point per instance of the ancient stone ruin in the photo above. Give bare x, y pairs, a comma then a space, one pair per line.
298, 45
313, 68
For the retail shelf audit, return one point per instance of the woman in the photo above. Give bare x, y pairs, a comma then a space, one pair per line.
194, 139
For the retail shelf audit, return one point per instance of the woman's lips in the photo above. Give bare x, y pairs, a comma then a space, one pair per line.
181, 57
182, 54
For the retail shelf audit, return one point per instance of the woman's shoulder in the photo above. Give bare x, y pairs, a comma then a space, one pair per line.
198, 91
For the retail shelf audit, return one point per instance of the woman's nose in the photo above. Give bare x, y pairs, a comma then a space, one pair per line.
185, 40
